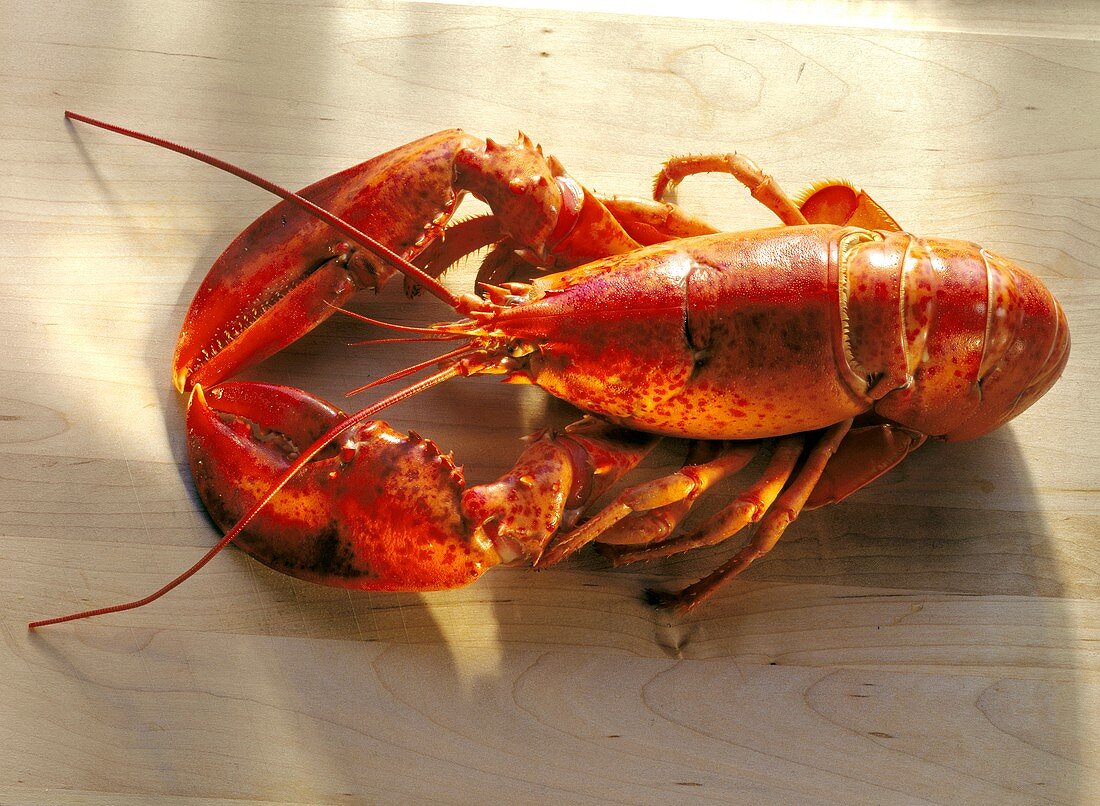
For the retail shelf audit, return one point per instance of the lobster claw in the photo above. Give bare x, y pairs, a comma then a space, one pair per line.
380, 512
280, 277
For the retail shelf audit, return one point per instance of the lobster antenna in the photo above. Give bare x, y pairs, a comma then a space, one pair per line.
436, 330
421, 277
354, 419
372, 342
459, 352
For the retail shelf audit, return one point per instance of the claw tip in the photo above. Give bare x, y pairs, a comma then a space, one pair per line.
196, 392
180, 373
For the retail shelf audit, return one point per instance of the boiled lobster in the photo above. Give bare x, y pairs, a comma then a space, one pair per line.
837, 342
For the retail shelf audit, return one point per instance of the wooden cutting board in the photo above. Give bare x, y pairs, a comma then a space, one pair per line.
933, 639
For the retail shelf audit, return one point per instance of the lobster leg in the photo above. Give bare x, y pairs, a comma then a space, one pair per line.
557, 476
649, 221
455, 243
781, 515
864, 455
762, 187
828, 202
654, 525
747, 507
682, 487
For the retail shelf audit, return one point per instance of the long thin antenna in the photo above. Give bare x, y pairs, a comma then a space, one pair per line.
288, 474
421, 277
459, 352
438, 330
411, 339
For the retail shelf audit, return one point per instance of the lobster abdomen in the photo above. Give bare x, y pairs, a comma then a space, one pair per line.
953, 340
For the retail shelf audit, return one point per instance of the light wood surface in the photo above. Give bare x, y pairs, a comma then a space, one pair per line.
934, 639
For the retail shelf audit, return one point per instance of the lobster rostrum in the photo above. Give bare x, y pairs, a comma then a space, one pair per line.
837, 343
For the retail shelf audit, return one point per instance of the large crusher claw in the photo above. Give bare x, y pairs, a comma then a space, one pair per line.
282, 276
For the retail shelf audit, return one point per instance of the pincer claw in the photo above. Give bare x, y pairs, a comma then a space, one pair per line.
379, 510
284, 274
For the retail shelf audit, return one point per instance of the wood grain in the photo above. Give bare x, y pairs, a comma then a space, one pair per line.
934, 639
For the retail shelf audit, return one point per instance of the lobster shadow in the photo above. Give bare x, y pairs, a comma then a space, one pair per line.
960, 518
932, 601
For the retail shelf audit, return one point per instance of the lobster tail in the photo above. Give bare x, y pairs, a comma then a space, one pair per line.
1027, 347
955, 340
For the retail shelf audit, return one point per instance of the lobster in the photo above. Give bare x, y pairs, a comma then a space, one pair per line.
835, 344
